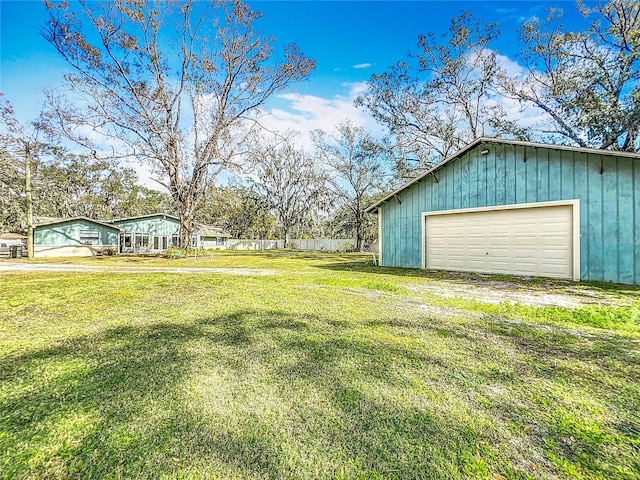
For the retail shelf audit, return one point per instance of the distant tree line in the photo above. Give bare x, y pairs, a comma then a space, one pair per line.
192, 109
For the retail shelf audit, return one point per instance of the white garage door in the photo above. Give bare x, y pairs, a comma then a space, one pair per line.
534, 240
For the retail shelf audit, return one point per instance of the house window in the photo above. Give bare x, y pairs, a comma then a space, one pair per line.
194, 241
220, 241
160, 242
175, 241
127, 240
89, 237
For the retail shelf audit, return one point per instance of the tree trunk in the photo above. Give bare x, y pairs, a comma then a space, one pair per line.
27, 171
186, 214
286, 227
358, 232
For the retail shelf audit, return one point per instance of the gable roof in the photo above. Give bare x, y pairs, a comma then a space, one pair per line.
12, 236
210, 231
151, 215
489, 140
72, 219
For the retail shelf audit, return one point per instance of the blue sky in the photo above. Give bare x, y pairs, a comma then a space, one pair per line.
350, 40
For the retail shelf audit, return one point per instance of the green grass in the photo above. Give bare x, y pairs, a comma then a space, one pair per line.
328, 368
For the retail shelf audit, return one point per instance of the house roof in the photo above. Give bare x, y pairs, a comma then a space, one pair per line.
12, 236
86, 219
488, 140
210, 231
146, 216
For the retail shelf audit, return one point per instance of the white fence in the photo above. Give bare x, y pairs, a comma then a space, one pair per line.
318, 244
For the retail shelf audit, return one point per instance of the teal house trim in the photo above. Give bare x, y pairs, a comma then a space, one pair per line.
599, 189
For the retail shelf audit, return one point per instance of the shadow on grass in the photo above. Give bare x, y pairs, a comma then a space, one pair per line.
535, 283
253, 394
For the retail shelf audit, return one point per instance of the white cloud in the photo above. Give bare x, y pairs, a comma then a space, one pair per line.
305, 113
361, 65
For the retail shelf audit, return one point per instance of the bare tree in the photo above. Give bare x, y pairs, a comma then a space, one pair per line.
173, 83
442, 98
355, 163
291, 180
587, 83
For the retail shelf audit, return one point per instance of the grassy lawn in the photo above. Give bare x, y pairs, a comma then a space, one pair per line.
326, 368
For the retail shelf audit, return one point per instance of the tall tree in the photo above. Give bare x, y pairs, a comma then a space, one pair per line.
173, 83
69, 185
355, 163
19, 145
440, 99
587, 83
291, 180
240, 210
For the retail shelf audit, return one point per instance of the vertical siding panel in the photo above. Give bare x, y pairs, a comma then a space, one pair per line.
596, 261
465, 198
636, 228
542, 156
567, 188
510, 158
415, 223
448, 184
581, 191
500, 176
625, 221
405, 197
482, 179
555, 175
522, 167
473, 178
456, 170
531, 176
490, 167
430, 190
610, 219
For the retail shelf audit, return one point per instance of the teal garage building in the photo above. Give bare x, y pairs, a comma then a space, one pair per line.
519, 208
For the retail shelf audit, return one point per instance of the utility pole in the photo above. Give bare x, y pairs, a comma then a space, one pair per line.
27, 175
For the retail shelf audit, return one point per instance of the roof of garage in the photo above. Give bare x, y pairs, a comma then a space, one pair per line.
488, 140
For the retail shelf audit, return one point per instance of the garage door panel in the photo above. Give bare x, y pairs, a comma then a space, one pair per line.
520, 241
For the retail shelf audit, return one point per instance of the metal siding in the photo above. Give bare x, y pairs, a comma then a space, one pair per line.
567, 175
510, 174
542, 157
533, 175
609, 203
625, 221
521, 185
581, 190
610, 221
636, 223
500, 176
595, 265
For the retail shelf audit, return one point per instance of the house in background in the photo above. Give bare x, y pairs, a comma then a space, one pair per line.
147, 233
73, 237
521, 208
13, 245
154, 233
211, 238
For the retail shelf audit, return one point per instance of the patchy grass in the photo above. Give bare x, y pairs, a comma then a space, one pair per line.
330, 368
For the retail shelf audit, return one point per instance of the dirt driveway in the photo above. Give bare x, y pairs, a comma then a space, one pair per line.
53, 267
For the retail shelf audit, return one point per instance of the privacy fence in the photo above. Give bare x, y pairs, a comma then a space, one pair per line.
317, 244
